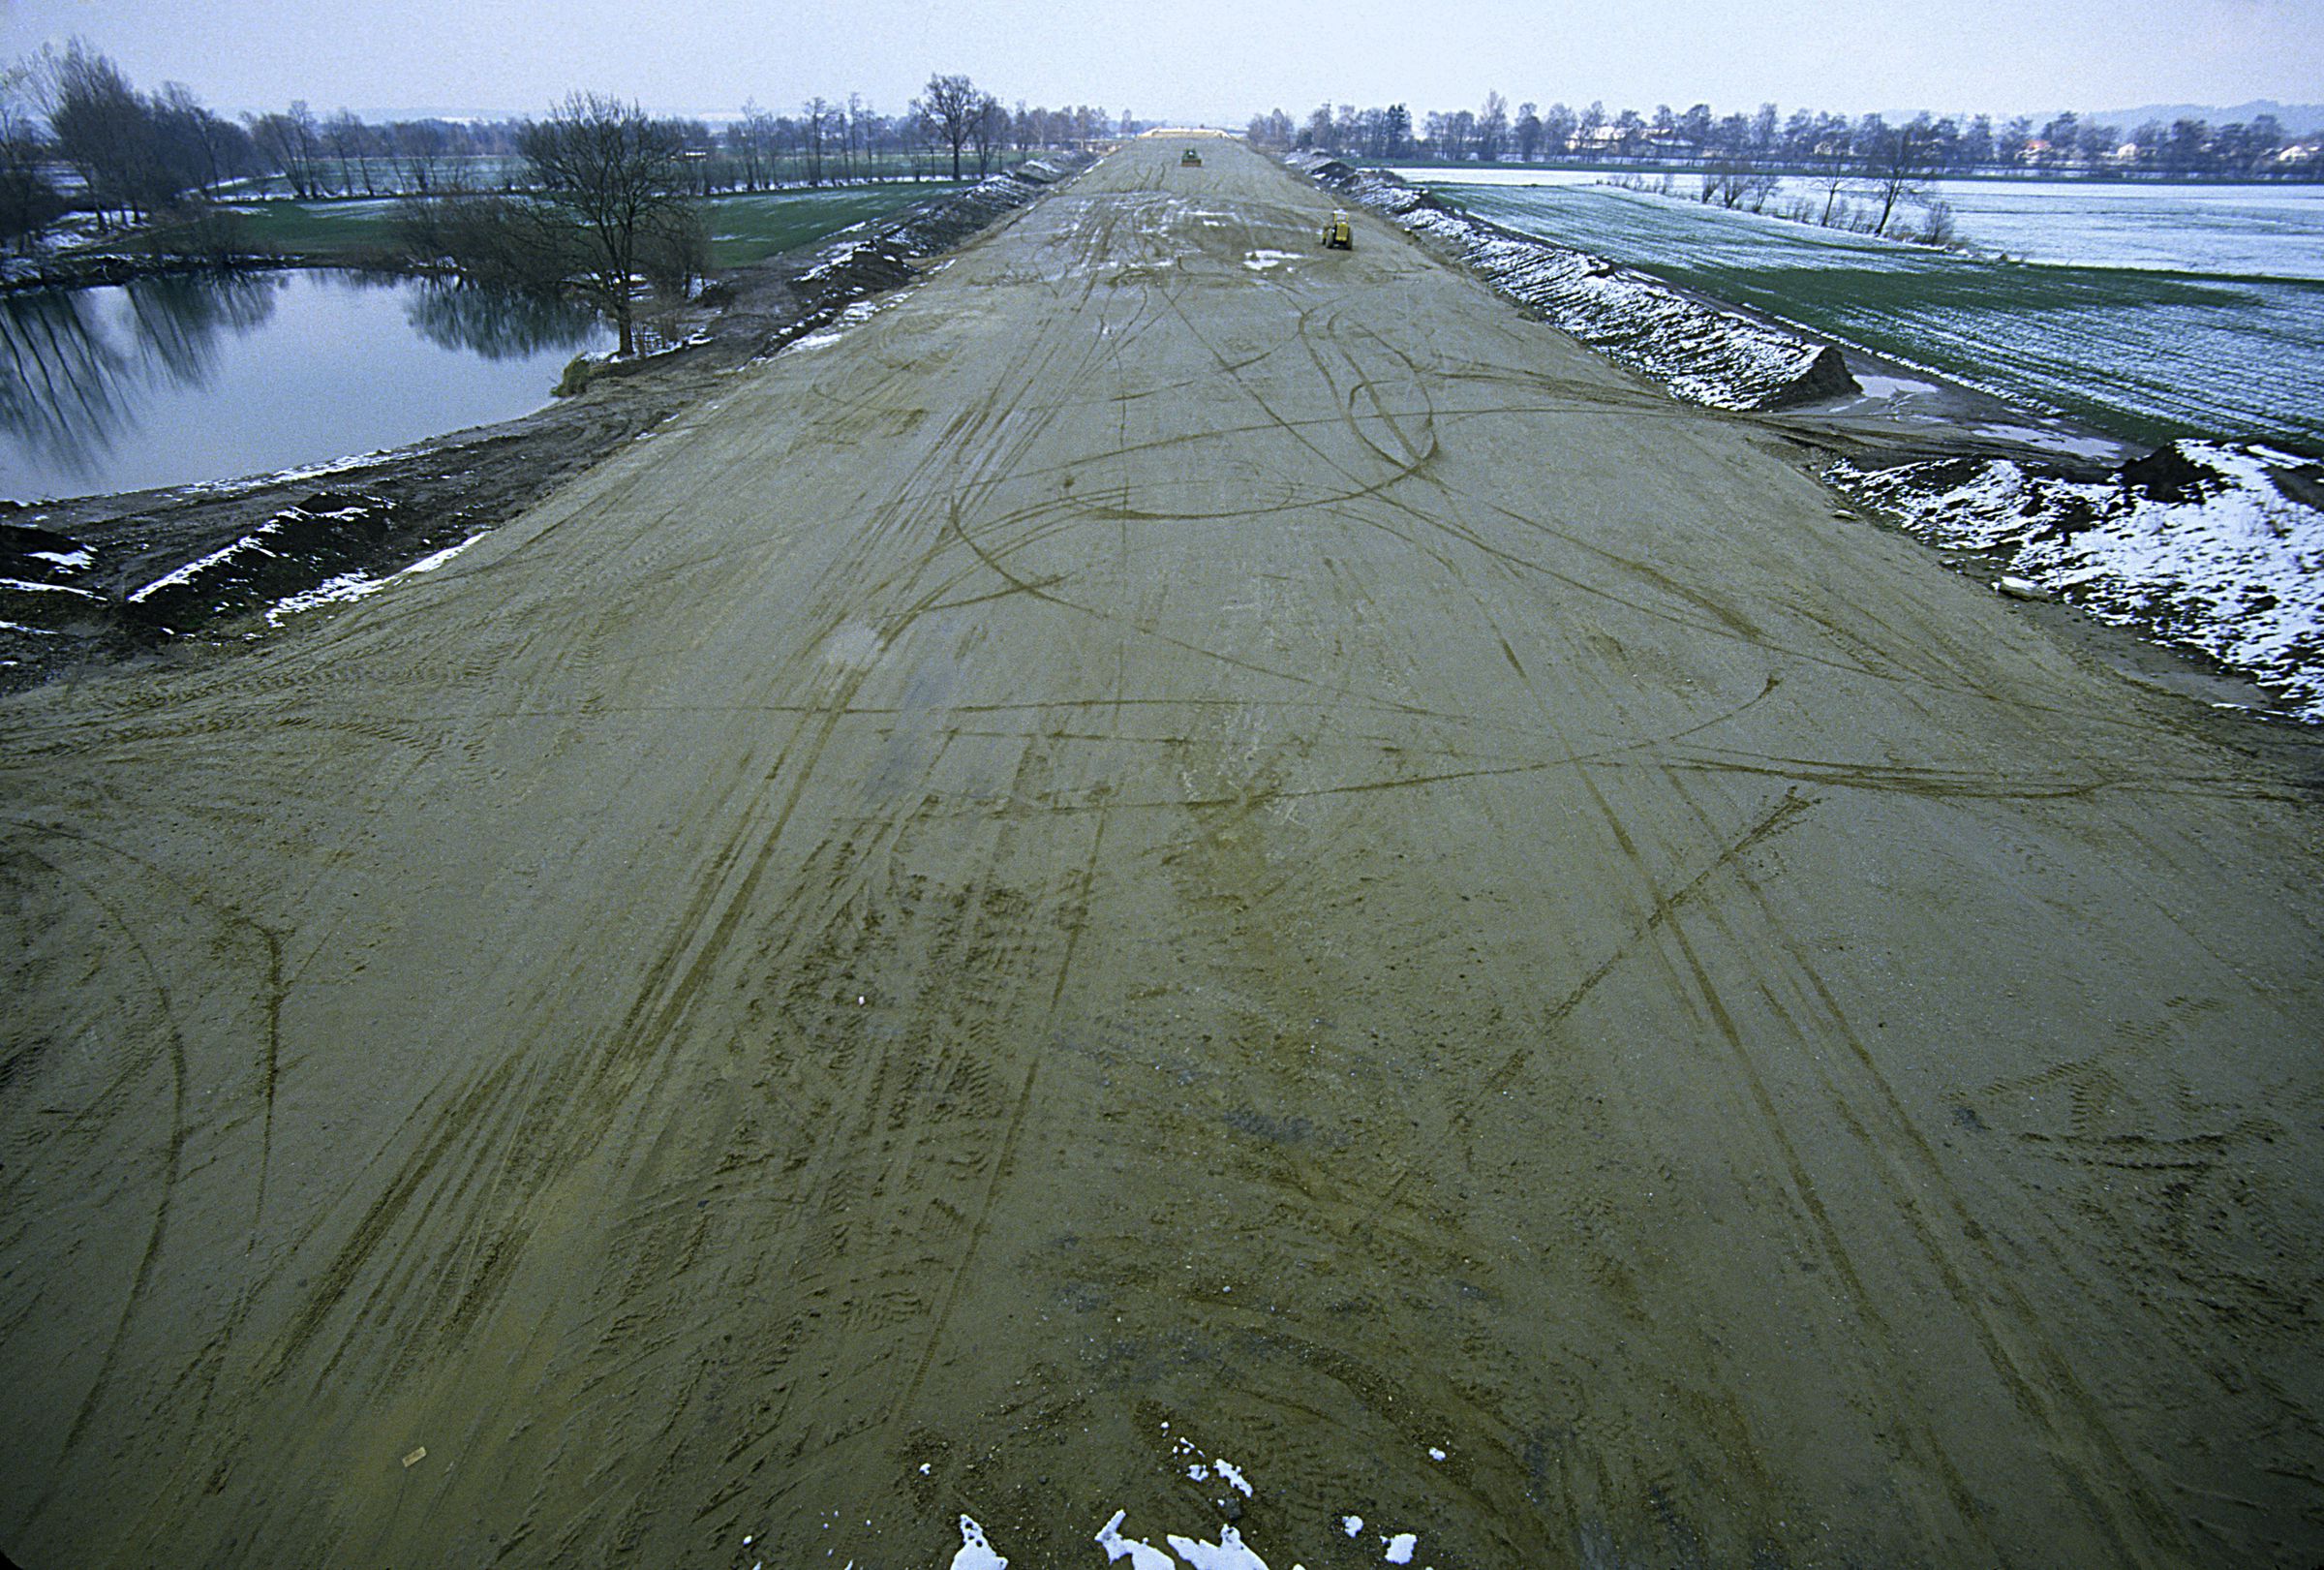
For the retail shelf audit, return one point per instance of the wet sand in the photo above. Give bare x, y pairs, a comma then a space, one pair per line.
1162, 846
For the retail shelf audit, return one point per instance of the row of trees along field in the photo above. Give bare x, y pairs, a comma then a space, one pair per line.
76, 135
1805, 140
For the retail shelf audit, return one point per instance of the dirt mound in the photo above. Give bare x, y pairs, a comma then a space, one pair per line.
331, 532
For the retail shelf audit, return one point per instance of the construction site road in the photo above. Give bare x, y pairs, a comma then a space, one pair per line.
1180, 863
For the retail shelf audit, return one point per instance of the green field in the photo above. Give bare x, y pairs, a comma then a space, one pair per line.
339, 230
744, 228
2141, 353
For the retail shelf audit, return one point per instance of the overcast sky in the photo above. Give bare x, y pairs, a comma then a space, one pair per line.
1204, 60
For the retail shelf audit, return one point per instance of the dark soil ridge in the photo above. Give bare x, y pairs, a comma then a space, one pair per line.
107, 267
106, 579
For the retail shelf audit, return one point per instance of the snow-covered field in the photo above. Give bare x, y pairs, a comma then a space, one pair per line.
2230, 230
1499, 176
2227, 230
2145, 353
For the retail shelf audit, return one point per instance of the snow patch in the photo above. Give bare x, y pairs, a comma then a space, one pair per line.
1400, 1547
293, 477
1229, 1552
345, 589
1141, 1555
975, 1553
49, 588
853, 315
2203, 545
348, 587
429, 563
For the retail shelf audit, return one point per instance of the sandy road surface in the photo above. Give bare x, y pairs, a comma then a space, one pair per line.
1163, 835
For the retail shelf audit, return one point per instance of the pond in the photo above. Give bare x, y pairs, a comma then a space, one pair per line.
180, 379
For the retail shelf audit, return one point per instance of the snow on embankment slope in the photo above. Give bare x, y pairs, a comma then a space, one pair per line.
881, 254
1700, 352
2201, 545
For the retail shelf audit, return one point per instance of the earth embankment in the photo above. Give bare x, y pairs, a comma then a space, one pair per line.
1178, 848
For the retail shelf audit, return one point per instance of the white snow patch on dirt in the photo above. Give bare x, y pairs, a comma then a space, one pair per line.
1143, 1555
48, 588
2223, 555
351, 586
975, 1553
1229, 1552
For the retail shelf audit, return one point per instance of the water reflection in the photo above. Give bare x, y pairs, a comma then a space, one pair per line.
173, 379
77, 360
499, 324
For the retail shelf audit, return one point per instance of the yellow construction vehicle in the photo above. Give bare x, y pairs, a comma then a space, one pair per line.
1337, 236
1190, 159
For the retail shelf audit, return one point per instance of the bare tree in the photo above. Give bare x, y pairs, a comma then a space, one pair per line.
135, 153
988, 131
742, 141
858, 136
1834, 168
351, 138
1558, 128
420, 153
208, 147
1493, 128
1896, 163
814, 120
100, 123
1271, 130
293, 145
28, 200
1592, 121
616, 180
1737, 182
953, 107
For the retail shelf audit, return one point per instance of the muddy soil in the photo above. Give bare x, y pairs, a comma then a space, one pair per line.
1175, 849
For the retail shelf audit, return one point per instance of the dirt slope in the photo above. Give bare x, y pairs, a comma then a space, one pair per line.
1162, 834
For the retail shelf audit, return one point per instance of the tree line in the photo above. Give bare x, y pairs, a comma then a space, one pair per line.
1804, 141
77, 134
